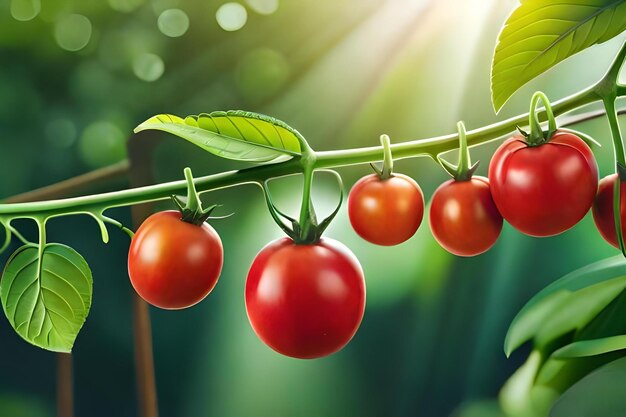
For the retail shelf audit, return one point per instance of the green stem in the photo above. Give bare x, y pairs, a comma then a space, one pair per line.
620, 163
329, 159
536, 135
387, 170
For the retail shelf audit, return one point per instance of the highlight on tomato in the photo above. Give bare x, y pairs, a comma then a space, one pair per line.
463, 218
175, 257
543, 183
386, 208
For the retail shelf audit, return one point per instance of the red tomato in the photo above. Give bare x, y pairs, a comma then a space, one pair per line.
386, 211
544, 190
603, 209
173, 264
463, 217
305, 301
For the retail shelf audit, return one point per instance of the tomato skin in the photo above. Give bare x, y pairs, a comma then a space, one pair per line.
603, 209
544, 190
173, 264
463, 217
305, 301
388, 211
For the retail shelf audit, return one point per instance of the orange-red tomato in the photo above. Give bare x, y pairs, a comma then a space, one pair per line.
173, 264
463, 217
386, 211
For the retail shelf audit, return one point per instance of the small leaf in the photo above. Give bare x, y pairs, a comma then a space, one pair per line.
47, 300
567, 304
541, 33
591, 347
235, 134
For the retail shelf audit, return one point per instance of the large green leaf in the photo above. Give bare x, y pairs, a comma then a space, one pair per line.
47, 299
235, 134
599, 394
568, 304
541, 33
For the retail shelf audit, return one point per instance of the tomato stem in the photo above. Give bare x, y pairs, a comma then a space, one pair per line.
387, 169
191, 211
464, 170
537, 136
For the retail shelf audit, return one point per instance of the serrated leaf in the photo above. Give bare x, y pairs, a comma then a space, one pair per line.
541, 33
567, 304
593, 347
235, 134
47, 300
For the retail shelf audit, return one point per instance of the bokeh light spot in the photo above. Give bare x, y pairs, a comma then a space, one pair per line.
101, 144
263, 6
148, 67
231, 16
72, 32
125, 6
24, 10
173, 23
61, 133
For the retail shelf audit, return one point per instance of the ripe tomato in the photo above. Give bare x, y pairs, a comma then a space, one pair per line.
603, 209
173, 264
463, 217
305, 301
386, 211
546, 189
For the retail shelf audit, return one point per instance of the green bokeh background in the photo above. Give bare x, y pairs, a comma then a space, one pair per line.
340, 71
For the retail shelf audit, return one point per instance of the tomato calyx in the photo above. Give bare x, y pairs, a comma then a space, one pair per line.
386, 171
307, 230
191, 210
464, 170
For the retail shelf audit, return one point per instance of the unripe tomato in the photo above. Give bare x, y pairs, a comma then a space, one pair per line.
463, 217
546, 189
386, 211
173, 264
603, 213
305, 300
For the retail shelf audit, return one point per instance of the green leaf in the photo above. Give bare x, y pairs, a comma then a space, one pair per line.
601, 393
235, 134
567, 304
593, 347
541, 33
47, 299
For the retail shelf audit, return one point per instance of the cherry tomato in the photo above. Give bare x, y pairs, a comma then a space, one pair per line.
544, 190
173, 264
463, 217
305, 301
603, 209
386, 211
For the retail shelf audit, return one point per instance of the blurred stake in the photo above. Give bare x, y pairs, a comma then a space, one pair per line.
65, 385
140, 150
74, 186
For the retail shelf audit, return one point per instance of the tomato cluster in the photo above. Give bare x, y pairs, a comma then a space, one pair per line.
305, 294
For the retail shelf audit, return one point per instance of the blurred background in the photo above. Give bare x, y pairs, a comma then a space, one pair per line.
77, 75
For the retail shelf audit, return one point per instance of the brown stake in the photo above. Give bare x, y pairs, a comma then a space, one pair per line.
140, 150
65, 385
